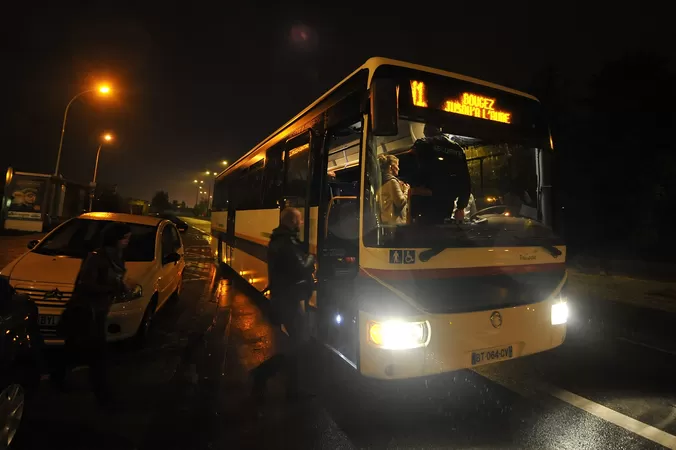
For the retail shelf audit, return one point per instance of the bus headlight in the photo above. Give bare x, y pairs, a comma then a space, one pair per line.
559, 313
399, 335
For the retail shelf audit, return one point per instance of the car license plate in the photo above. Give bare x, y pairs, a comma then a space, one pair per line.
492, 355
48, 320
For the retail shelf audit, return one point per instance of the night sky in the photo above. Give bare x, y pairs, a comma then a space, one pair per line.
195, 86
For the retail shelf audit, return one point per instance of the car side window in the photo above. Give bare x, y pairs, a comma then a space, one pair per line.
167, 241
176, 238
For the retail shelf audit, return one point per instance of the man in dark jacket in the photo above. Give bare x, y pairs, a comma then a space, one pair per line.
445, 172
290, 281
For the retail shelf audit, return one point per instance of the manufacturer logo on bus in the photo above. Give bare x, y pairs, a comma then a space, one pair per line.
496, 319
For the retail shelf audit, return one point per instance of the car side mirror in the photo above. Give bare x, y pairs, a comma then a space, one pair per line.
384, 107
172, 258
31, 245
137, 292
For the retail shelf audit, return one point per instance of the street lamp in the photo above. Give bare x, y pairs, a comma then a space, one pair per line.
103, 89
225, 163
210, 187
198, 191
106, 138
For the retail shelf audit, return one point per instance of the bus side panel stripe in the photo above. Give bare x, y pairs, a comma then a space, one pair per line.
255, 249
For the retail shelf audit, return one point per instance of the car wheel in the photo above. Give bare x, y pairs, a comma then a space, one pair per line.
147, 321
12, 400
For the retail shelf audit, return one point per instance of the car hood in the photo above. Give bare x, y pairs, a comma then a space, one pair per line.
34, 267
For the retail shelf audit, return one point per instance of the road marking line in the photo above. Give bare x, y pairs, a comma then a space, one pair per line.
652, 347
602, 412
647, 431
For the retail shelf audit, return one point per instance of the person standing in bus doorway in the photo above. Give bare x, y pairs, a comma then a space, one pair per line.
393, 192
445, 172
290, 272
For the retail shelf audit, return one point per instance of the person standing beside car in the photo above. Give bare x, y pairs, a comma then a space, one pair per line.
101, 280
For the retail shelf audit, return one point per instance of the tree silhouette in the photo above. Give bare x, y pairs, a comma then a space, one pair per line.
160, 202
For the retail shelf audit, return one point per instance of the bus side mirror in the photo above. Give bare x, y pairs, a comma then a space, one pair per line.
384, 107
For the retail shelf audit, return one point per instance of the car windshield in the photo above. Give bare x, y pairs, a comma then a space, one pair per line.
420, 177
78, 237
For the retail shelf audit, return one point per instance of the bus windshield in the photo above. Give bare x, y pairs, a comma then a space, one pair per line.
419, 178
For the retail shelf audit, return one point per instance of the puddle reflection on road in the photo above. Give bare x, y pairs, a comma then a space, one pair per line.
199, 264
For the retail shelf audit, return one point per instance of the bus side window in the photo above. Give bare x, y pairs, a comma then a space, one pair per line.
252, 186
273, 176
296, 185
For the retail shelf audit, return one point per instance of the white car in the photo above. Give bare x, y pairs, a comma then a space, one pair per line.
47, 272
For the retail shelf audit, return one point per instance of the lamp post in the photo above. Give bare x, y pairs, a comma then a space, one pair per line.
198, 191
106, 138
104, 90
211, 186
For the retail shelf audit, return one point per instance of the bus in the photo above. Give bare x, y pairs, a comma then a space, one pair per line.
418, 297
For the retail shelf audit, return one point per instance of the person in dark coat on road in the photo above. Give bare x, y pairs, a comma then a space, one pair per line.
83, 326
290, 272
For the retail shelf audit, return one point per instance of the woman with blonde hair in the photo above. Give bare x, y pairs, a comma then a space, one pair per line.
393, 192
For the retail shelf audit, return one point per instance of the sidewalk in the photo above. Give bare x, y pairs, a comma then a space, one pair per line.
11, 247
659, 295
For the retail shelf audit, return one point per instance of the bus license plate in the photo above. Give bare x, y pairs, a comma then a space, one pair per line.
48, 320
492, 355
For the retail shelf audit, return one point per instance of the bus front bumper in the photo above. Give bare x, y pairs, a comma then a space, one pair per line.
461, 341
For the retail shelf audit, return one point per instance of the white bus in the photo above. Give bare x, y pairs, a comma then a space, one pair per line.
418, 297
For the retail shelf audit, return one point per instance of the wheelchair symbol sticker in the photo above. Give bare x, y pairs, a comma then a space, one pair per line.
395, 256
402, 256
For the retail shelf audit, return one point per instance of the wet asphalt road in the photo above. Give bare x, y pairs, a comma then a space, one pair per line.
611, 385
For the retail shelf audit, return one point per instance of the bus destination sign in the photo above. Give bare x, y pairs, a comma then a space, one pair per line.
467, 104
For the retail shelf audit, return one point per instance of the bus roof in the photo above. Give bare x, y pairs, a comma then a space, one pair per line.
371, 65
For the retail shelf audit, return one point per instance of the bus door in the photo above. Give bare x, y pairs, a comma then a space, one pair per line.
297, 180
339, 236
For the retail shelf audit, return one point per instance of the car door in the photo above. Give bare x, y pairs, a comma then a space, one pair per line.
168, 272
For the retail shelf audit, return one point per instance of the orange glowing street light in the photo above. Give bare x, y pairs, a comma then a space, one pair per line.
103, 89
106, 138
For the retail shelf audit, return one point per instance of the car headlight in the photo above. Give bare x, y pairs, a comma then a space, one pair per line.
398, 334
559, 313
135, 293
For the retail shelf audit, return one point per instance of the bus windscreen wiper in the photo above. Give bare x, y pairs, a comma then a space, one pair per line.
428, 254
552, 250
